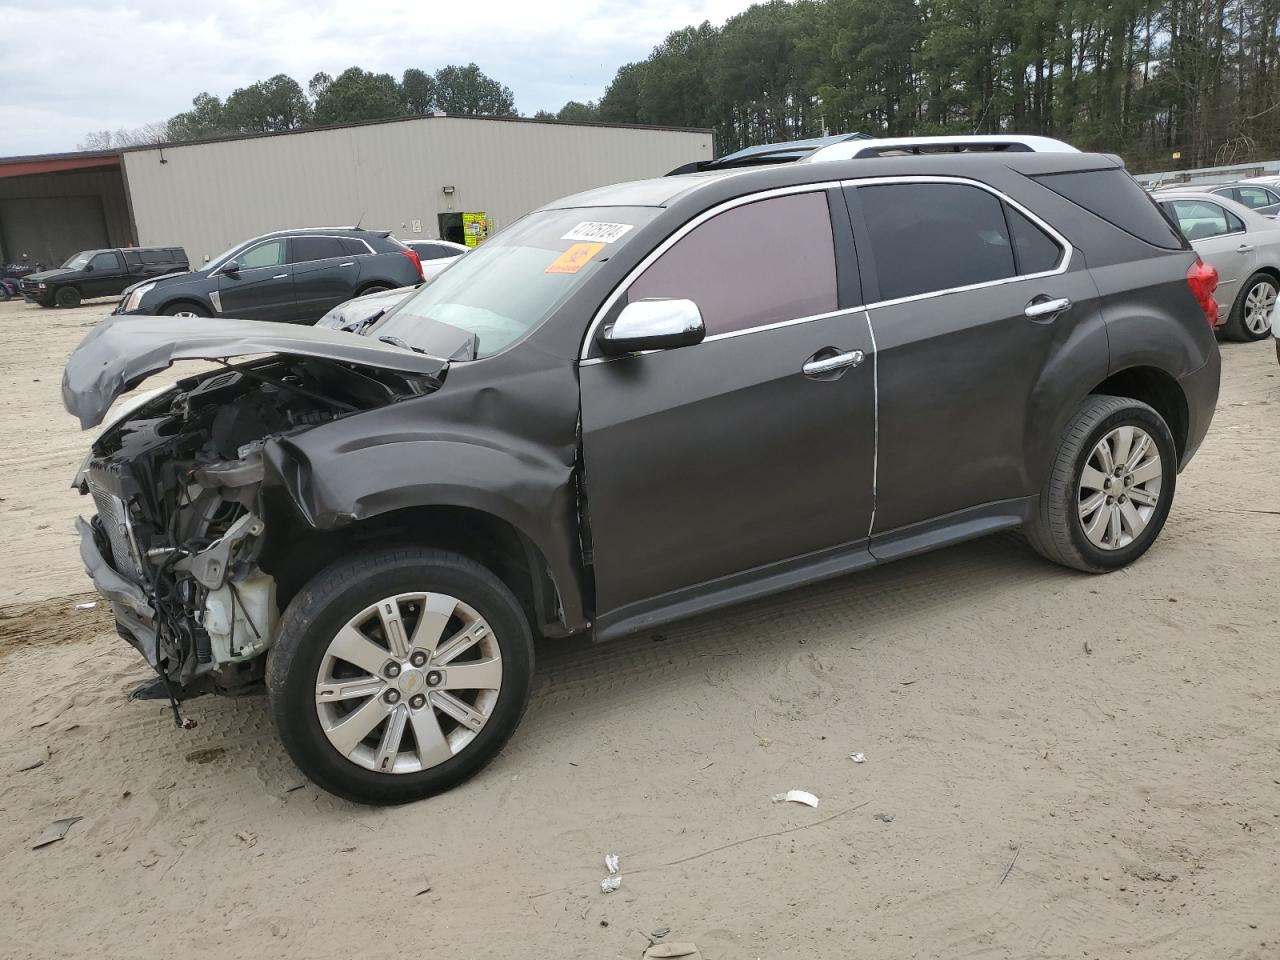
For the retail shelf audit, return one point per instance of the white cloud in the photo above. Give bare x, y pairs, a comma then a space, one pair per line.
90, 67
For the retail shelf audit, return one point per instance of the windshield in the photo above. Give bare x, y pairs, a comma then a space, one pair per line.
504, 288
78, 261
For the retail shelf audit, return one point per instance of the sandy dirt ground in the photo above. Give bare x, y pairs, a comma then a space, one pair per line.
1057, 765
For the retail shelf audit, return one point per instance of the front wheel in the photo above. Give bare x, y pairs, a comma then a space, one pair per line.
1109, 488
399, 673
67, 297
1254, 310
184, 309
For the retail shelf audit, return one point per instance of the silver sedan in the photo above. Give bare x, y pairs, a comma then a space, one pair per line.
1243, 246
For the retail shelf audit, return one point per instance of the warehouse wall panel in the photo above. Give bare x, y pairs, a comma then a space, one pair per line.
208, 196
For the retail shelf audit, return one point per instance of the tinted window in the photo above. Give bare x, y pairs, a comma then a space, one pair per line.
1036, 251
1200, 219
155, 256
353, 247
132, 258
434, 251
269, 254
316, 248
935, 236
105, 261
759, 263
1255, 197
1116, 197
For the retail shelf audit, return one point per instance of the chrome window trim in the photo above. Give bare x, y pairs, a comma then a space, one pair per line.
1064, 261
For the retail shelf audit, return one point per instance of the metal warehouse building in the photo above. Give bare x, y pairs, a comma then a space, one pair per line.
420, 177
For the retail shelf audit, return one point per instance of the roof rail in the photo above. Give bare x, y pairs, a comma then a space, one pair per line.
986, 143
769, 153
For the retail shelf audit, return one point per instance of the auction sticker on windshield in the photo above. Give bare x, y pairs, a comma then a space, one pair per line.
575, 258
596, 231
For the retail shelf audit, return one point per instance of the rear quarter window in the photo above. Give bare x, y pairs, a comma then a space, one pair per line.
1115, 197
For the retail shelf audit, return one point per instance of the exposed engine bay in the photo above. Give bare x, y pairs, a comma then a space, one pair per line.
181, 516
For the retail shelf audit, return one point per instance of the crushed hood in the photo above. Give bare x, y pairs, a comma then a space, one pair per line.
121, 352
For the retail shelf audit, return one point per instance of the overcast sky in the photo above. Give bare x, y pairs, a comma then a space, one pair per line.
70, 67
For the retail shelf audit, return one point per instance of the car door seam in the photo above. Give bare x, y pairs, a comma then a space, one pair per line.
875, 421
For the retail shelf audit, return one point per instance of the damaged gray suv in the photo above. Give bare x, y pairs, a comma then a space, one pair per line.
634, 405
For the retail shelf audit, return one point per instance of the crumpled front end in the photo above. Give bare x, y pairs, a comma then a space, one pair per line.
180, 490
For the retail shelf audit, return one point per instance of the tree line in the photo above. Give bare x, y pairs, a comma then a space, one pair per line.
280, 103
1148, 79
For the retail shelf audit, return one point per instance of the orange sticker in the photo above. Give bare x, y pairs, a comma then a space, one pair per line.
575, 258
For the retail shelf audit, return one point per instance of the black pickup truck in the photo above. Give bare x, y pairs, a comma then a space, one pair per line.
101, 273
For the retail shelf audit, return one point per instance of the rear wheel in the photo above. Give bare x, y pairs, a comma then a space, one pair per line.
1254, 310
1110, 487
184, 309
399, 673
373, 288
67, 297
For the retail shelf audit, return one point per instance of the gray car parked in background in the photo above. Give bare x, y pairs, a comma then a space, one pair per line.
636, 404
1243, 246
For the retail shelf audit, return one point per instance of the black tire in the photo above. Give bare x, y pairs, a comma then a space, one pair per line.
374, 288
4, 293
327, 603
183, 307
67, 297
1055, 529
1236, 328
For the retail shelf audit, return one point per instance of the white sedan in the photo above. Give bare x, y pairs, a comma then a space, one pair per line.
1243, 246
435, 255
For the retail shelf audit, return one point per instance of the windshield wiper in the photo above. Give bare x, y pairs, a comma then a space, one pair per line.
359, 326
397, 342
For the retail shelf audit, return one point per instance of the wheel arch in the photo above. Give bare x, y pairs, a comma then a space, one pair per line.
1159, 390
297, 552
174, 301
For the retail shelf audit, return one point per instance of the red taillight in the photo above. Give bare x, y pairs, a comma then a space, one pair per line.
1203, 280
417, 262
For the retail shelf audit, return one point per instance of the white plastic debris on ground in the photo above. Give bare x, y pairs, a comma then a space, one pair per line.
796, 796
858, 757
614, 880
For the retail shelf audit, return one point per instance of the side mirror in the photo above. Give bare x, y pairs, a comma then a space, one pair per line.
653, 325
87, 268
231, 268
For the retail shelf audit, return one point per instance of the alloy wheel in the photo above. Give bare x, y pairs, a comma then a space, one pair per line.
408, 682
1259, 306
1119, 488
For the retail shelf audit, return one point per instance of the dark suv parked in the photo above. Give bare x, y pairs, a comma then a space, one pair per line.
288, 276
662, 397
100, 273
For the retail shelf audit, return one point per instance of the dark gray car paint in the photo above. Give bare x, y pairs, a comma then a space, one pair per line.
502, 435
120, 352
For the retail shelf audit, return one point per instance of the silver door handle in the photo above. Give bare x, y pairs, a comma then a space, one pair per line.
1245, 247
1046, 308
279, 276
349, 263
813, 368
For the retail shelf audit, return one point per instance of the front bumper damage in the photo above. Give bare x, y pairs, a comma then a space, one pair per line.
135, 617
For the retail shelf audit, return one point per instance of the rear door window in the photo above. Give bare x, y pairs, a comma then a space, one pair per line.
927, 237
305, 249
1034, 250
353, 247
753, 265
